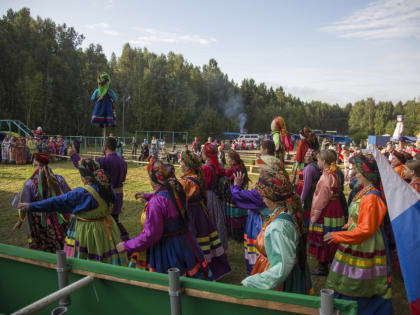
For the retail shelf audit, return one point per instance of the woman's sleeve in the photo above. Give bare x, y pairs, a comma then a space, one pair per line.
94, 96
112, 95
280, 243
321, 198
74, 201
246, 199
372, 211
153, 227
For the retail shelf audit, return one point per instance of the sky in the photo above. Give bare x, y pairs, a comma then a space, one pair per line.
335, 51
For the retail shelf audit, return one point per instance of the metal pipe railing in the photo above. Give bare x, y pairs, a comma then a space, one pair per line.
175, 291
49, 299
62, 274
327, 302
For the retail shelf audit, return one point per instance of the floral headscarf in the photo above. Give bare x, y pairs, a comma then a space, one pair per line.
104, 81
193, 162
271, 164
369, 169
91, 170
279, 189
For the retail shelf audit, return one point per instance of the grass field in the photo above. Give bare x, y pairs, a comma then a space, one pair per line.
12, 178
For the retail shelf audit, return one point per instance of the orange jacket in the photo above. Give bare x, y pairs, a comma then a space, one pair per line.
400, 170
416, 185
372, 211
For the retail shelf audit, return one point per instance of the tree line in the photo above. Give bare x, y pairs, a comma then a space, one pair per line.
46, 79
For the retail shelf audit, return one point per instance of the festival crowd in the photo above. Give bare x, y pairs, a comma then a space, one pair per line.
187, 220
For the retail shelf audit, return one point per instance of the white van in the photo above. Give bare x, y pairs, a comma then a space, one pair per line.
250, 137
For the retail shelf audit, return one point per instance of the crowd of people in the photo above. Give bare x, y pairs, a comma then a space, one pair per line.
188, 220
20, 149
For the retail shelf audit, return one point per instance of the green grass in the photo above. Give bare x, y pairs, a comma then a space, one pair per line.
12, 178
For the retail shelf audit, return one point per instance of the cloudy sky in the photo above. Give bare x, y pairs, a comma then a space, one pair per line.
334, 51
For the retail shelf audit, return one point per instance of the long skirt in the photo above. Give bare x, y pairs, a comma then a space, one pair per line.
374, 305
179, 251
103, 113
47, 231
217, 214
70, 239
331, 220
253, 226
94, 242
202, 228
236, 220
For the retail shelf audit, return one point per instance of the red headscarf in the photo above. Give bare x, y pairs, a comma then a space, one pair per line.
43, 159
210, 151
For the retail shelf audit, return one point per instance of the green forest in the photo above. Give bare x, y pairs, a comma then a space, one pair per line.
47, 78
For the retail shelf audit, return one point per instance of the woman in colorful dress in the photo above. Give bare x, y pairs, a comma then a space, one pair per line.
282, 264
303, 146
165, 241
311, 175
412, 173
199, 221
96, 233
258, 213
103, 98
46, 230
326, 213
236, 217
280, 137
20, 151
5, 145
12, 151
361, 268
212, 173
397, 162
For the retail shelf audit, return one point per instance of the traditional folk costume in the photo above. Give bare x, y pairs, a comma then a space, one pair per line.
212, 172
415, 183
282, 264
5, 146
280, 137
361, 268
307, 142
258, 213
326, 216
32, 145
400, 168
12, 151
165, 241
311, 175
199, 221
20, 152
103, 98
236, 217
46, 231
116, 168
95, 232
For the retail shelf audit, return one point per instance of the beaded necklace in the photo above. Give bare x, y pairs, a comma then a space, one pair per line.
363, 192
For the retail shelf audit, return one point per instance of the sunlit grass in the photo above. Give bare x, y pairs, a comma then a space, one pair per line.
12, 178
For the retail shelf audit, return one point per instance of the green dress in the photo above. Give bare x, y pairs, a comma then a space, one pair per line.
97, 234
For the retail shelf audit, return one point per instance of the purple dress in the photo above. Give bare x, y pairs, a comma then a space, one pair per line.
257, 215
46, 231
166, 241
202, 228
